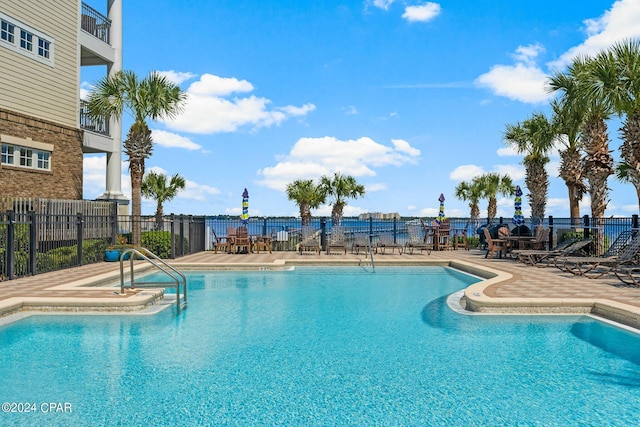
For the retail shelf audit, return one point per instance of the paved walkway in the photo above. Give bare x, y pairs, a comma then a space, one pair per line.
510, 287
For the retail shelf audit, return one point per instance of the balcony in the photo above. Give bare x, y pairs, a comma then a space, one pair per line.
97, 138
94, 37
94, 23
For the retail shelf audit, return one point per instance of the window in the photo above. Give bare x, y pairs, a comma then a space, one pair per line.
7, 154
26, 40
43, 160
23, 157
6, 31
43, 48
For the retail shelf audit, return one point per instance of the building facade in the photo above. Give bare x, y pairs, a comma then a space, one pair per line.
44, 128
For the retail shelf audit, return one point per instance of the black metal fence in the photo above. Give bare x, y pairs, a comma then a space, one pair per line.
33, 243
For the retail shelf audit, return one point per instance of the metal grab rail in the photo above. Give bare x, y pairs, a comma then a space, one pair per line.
157, 262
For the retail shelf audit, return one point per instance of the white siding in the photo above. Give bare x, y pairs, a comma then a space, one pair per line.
34, 88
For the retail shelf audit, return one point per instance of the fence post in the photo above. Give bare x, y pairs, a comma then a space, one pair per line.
180, 243
585, 224
172, 218
10, 245
191, 234
550, 242
32, 243
323, 233
395, 230
114, 226
634, 221
80, 227
370, 231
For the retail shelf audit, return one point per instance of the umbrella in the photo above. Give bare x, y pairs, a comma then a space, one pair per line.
518, 218
441, 216
245, 207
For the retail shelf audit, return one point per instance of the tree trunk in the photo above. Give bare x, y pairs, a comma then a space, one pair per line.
137, 171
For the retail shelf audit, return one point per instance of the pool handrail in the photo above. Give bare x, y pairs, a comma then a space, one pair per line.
157, 262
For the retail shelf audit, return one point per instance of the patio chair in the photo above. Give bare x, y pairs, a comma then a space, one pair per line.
442, 236
417, 240
543, 258
337, 240
386, 242
494, 245
538, 242
263, 242
223, 242
242, 241
594, 267
309, 240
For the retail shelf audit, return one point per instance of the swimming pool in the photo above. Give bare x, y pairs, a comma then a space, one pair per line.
320, 346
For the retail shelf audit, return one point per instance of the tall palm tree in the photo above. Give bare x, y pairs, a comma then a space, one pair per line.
154, 186
584, 77
307, 196
491, 184
534, 138
470, 192
340, 188
567, 121
620, 83
153, 97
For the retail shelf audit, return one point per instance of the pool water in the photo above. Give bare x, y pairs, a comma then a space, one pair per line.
321, 346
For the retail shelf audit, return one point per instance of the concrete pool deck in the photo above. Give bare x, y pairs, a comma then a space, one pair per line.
509, 287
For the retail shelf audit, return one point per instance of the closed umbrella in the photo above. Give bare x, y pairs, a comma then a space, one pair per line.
441, 216
518, 218
245, 207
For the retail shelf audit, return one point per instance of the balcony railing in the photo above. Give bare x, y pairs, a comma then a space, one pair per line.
97, 125
95, 23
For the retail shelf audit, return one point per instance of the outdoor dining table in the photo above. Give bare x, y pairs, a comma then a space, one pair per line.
260, 240
513, 242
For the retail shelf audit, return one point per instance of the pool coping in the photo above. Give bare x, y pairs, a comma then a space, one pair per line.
474, 298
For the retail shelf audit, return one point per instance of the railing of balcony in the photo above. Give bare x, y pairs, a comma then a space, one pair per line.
95, 23
99, 125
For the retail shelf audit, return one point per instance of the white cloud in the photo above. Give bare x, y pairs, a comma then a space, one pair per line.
383, 4
616, 24
404, 147
176, 77
527, 54
173, 140
314, 157
507, 152
85, 89
207, 110
199, 192
521, 82
516, 172
466, 172
421, 13
370, 188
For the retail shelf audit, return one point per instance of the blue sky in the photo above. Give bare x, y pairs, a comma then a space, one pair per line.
409, 97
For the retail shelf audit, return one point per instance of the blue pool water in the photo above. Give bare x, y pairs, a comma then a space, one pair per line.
320, 346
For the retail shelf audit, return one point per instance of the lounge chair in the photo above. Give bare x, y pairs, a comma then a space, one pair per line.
360, 242
386, 242
309, 240
337, 240
417, 240
594, 267
542, 258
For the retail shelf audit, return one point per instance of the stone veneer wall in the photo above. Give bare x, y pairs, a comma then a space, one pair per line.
64, 181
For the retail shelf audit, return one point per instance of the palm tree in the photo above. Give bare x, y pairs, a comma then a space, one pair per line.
154, 186
472, 193
534, 138
153, 97
583, 90
492, 184
620, 83
307, 196
340, 188
567, 122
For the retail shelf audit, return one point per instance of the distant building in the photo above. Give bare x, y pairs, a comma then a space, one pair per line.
44, 128
379, 215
